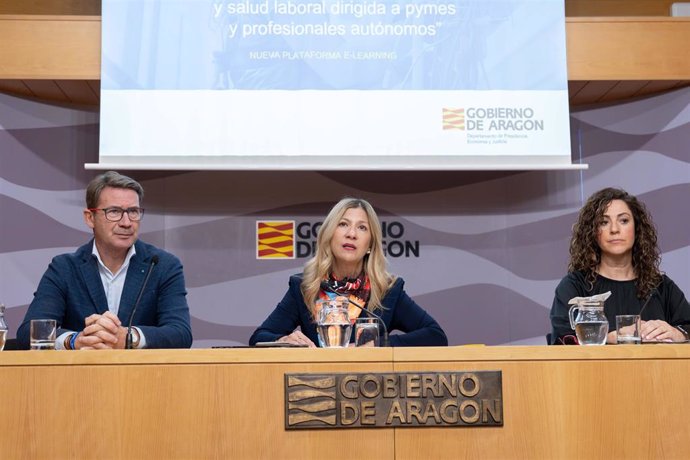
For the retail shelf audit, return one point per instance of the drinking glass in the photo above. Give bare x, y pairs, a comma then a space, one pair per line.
628, 329
43, 334
367, 332
3, 327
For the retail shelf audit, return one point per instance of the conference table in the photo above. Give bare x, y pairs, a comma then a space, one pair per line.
558, 402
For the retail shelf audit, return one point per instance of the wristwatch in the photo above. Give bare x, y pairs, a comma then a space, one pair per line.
136, 338
685, 333
67, 343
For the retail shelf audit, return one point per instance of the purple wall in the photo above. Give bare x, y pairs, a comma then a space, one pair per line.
481, 251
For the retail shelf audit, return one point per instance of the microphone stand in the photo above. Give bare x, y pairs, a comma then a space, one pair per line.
128, 339
651, 294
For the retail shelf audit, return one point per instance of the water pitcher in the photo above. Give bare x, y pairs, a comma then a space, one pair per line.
590, 324
333, 324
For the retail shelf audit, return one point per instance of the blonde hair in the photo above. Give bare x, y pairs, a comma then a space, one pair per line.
321, 265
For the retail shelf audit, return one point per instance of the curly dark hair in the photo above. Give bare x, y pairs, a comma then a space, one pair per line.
585, 254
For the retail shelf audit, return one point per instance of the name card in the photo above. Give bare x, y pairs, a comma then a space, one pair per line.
393, 399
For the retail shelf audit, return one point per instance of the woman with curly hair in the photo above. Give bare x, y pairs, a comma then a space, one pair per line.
349, 261
614, 248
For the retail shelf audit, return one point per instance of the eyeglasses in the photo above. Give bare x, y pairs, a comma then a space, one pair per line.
115, 214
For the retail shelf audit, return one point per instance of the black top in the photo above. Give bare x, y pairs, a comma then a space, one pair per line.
667, 302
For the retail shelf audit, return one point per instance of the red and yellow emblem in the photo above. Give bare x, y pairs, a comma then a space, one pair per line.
454, 119
275, 239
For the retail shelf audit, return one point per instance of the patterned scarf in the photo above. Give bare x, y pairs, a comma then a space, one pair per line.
356, 289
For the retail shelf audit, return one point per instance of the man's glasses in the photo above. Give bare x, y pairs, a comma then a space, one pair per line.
115, 214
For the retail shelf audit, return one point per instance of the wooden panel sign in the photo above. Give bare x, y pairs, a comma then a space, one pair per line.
397, 399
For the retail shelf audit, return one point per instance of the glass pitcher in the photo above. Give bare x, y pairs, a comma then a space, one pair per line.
590, 324
333, 323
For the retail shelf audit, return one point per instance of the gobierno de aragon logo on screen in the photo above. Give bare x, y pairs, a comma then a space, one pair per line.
289, 239
492, 119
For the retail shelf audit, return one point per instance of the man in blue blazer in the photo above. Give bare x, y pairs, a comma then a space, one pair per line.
92, 292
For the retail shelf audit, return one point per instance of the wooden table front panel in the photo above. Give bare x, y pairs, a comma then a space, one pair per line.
599, 405
169, 411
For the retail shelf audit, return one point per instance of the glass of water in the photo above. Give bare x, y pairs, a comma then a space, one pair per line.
367, 332
3, 327
43, 334
628, 329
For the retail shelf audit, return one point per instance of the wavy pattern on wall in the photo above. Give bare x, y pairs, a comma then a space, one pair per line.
492, 245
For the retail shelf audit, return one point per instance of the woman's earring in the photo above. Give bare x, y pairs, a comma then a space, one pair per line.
369, 251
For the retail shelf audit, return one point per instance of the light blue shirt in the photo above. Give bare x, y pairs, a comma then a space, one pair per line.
113, 283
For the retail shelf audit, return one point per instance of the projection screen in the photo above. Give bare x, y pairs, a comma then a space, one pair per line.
334, 84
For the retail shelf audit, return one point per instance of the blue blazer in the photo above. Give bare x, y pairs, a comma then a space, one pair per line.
400, 312
71, 289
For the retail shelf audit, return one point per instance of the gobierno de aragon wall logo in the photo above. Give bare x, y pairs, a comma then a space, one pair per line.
275, 239
289, 239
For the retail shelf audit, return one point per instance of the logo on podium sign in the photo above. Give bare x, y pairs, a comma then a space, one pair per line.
395, 399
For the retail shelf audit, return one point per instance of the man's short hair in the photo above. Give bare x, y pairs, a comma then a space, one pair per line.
110, 179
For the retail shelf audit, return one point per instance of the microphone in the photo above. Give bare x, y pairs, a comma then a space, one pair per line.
384, 341
651, 294
128, 341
